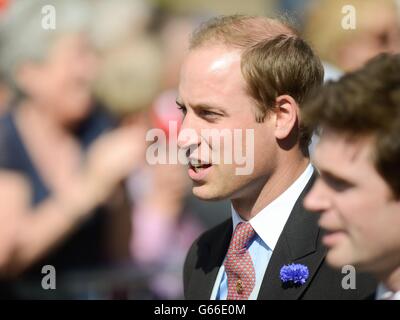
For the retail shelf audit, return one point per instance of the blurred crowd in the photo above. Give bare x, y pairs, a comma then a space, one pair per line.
76, 102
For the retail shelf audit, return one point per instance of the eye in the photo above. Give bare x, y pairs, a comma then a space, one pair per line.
182, 108
208, 114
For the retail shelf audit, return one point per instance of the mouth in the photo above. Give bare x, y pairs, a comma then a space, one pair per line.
198, 170
332, 237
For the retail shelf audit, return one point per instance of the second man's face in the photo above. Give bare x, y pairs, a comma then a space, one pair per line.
231, 155
357, 207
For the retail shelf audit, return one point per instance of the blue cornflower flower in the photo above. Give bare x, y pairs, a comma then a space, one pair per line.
296, 274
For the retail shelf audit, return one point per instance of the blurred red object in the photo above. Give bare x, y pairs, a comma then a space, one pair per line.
4, 5
165, 110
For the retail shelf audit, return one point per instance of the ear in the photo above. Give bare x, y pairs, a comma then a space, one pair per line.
286, 116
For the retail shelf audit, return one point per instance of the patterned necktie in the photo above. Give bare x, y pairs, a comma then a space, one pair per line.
238, 264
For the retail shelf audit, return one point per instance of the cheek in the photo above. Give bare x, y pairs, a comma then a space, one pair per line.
357, 211
52, 87
229, 183
71, 89
351, 208
44, 86
353, 55
265, 151
224, 174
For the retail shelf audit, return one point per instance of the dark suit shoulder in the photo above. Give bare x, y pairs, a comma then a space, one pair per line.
214, 233
204, 241
205, 256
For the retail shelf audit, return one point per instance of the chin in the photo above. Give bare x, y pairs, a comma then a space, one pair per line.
204, 192
337, 259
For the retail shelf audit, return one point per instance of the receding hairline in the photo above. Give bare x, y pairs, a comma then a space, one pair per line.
240, 31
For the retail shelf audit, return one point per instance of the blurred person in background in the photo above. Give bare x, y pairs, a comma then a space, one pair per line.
117, 22
5, 92
182, 217
5, 96
58, 168
174, 33
358, 191
137, 83
376, 30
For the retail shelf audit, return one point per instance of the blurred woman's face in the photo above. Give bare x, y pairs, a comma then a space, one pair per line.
378, 30
61, 85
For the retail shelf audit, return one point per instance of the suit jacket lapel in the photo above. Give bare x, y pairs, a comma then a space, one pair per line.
298, 243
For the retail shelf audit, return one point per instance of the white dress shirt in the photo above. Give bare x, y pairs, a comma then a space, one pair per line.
268, 225
383, 293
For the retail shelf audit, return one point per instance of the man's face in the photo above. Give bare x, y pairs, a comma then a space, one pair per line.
212, 94
358, 210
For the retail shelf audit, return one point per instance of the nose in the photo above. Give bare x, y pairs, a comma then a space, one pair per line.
189, 136
317, 199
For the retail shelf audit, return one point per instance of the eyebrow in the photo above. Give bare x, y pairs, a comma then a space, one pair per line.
329, 174
332, 176
202, 106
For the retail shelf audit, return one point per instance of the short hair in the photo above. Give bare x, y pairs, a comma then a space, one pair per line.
23, 38
274, 60
365, 102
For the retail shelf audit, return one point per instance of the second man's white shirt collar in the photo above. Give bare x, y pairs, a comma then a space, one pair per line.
270, 221
383, 293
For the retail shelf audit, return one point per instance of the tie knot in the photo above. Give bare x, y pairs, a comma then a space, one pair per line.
242, 235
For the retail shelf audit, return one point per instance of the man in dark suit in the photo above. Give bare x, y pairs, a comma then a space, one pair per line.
358, 157
248, 75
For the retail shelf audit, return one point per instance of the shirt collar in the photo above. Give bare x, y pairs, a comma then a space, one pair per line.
383, 293
270, 221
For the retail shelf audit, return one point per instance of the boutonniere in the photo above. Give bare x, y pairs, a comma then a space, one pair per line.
294, 274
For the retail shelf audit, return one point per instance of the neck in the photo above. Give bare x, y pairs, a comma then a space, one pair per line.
30, 114
392, 280
269, 187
